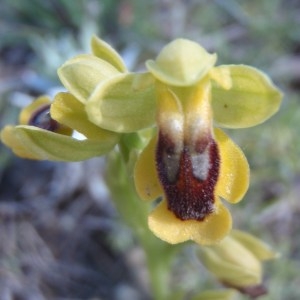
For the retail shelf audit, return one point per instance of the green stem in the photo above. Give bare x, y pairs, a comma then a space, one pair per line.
135, 212
159, 269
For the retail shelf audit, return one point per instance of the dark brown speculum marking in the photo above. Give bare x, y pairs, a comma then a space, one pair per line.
188, 176
41, 118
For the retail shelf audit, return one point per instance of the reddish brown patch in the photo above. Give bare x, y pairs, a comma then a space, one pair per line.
188, 196
41, 118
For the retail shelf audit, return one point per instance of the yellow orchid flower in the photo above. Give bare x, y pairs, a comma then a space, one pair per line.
45, 129
40, 133
190, 164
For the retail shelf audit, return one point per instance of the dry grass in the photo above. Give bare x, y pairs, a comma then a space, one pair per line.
56, 220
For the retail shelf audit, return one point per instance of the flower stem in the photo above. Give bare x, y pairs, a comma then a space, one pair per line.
134, 212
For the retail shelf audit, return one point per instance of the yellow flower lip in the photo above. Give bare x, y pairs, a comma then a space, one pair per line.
207, 220
189, 185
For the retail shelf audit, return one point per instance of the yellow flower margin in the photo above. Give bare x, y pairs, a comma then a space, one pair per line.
234, 174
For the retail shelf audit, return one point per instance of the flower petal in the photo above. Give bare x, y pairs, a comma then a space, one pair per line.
233, 179
104, 51
249, 98
125, 103
181, 63
34, 143
163, 223
145, 174
68, 110
27, 112
81, 74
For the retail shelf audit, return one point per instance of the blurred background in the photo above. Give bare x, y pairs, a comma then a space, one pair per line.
60, 236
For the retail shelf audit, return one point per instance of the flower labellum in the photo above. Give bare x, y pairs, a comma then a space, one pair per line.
188, 177
187, 155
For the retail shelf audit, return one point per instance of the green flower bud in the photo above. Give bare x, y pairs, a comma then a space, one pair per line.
236, 261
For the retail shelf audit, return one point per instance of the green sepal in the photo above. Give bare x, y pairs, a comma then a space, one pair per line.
124, 103
181, 63
35, 143
232, 263
242, 96
104, 51
81, 74
66, 109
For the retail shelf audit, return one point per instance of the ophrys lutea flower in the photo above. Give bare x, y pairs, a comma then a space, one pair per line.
189, 166
45, 131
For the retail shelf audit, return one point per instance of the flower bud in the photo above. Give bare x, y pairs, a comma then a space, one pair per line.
236, 260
